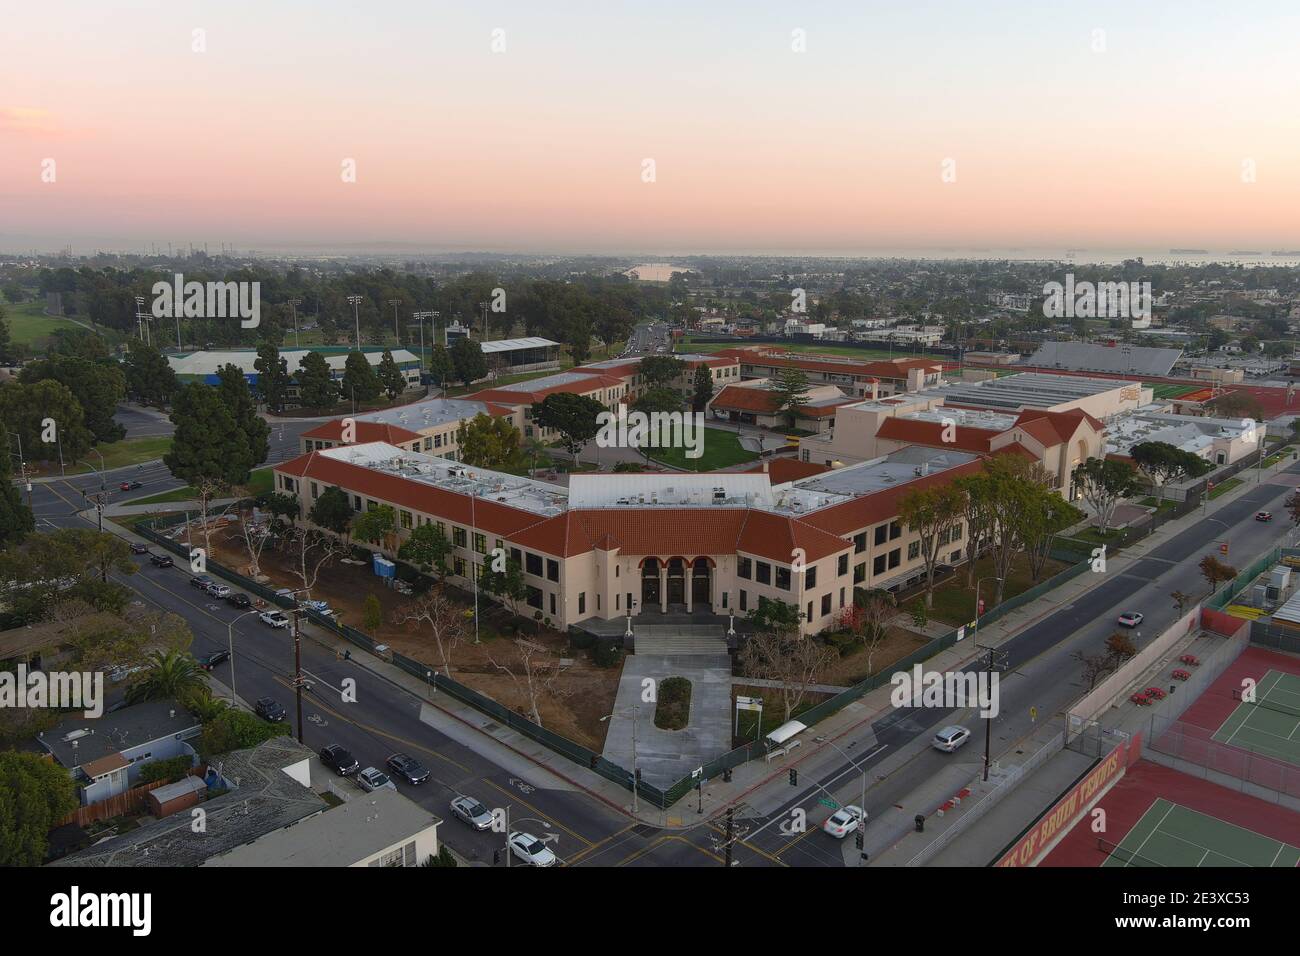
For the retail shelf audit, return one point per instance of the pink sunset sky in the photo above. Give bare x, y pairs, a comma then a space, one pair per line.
756, 146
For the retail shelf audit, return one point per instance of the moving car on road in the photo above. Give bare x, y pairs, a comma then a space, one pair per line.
340, 760
161, 560
472, 812
372, 779
950, 738
1263, 516
209, 661
408, 768
274, 618
139, 547
268, 709
531, 850
130, 485
1130, 618
843, 821
239, 599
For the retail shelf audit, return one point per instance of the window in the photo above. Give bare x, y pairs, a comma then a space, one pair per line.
458, 567
783, 578
859, 572
826, 604
517, 556
810, 577
882, 534
956, 533
895, 530
314, 492
533, 563
842, 566
356, 502
744, 568
724, 600
480, 543
552, 570
552, 603
406, 520
428, 442
895, 557
437, 441
841, 597
764, 575
458, 537
582, 602
878, 565
744, 600
810, 612
534, 598
914, 550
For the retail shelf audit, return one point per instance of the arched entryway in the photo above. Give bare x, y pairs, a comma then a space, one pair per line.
676, 581
702, 583
649, 584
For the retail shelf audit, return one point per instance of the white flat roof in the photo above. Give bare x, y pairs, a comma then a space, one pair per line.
510, 345
721, 489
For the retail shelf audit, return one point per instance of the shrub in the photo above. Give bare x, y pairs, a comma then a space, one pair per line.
673, 708
606, 654
171, 769
581, 640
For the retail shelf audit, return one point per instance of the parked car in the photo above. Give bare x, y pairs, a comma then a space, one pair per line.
1130, 619
1263, 516
531, 850
950, 738
274, 618
139, 547
131, 485
372, 779
239, 599
161, 560
209, 661
408, 768
268, 709
472, 812
219, 591
843, 821
202, 582
340, 760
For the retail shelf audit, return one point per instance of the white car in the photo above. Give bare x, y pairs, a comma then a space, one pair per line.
472, 812
221, 591
843, 821
372, 779
274, 618
530, 849
950, 738
1130, 619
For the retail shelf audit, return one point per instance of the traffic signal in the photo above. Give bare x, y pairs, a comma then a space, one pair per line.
794, 777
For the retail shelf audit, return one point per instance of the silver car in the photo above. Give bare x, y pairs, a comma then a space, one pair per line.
950, 738
472, 812
372, 779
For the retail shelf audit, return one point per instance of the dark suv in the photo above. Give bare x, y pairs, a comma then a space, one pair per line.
268, 709
209, 661
161, 560
408, 768
339, 760
239, 599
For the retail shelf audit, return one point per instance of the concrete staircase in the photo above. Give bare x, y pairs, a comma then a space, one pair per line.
672, 640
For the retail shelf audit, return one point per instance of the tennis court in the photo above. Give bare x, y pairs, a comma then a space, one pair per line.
1169, 835
1270, 725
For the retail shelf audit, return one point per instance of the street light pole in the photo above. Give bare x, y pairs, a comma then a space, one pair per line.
356, 316
293, 309
978, 612
230, 640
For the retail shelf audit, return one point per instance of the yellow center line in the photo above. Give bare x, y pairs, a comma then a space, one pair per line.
598, 844
667, 838
514, 795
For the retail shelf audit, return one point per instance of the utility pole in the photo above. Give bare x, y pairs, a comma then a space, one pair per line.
999, 659
297, 666
395, 303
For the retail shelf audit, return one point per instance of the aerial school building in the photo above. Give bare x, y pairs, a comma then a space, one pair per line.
644, 545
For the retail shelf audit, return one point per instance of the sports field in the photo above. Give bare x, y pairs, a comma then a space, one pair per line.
1169, 835
1270, 724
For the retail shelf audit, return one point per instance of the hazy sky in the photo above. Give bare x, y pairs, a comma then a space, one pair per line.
542, 146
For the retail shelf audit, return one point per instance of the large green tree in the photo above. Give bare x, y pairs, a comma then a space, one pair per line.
7, 353
232, 386
97, 386
441, 368
360, 384
703, 388
208, 445
468, 361
660, 371
489, 442
375, 524
427, 548
149, 377
35, 794
791, 389
573, 416
316, 387
390, 376
933, 513
1104, 483
16, 521
332, 511
272, 376
168, 675
1164, 463
46, 418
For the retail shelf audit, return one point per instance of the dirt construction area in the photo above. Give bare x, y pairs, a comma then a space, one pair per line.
571, 705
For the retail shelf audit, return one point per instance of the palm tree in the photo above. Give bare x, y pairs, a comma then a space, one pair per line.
534, 448
174, 674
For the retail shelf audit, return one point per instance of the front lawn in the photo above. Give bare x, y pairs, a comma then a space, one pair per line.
673, 709
1224, 486
128, 451
720, 449
954, 603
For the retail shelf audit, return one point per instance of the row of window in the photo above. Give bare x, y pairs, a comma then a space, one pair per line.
826, 601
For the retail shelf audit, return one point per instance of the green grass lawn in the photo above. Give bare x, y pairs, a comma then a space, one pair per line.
721, 448
1224, 486
30, 326
262, 482
773, 710
954, 603
1277, 456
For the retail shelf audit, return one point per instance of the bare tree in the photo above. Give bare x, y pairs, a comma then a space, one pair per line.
1095, 666
208, 488
313, 549
255, 535
445, 620
793, 664
869, 621
535, 673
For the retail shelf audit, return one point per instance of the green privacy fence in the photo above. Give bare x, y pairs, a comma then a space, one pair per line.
1223, 597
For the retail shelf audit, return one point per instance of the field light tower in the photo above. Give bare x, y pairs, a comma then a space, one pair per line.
356, 315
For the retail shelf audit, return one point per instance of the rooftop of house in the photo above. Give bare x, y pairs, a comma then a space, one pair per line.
341, 836
262, 799
77, 740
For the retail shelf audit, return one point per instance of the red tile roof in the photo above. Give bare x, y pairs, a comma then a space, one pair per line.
914, 431
1061, 424
892, 368
364, 432
747, 398
852, 516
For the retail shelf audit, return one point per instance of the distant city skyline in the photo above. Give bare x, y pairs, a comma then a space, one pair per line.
1167, 130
